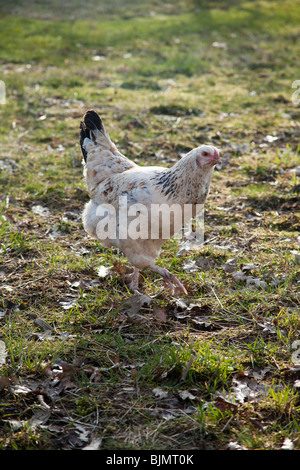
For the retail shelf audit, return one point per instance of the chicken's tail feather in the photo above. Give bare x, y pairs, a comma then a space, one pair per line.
88, 129
83, 135
92, 121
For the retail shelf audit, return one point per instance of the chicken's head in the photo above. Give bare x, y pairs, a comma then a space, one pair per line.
207, 156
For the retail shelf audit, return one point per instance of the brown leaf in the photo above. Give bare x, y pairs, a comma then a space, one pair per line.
224, 405
39, 418
160, 313
120, 268
230, 265
4, 381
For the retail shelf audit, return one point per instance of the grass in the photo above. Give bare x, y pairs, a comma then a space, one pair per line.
83, 359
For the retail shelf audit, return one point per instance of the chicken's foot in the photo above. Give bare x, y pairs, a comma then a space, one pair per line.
169, 278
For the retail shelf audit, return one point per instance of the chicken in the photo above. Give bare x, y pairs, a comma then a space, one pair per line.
123, 195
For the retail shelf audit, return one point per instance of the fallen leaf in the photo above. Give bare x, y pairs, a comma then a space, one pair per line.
257, 282
39, 418
249, 267
234, 445
230, 265
103, 271
204, 263
180, 304
68, 303
2, 313
222, 404
270, 138
135, 303
15, 424
43, 324
159, 313
95, 444
97, 58
20, 390
190, 266
4, 381
159, 393
8, 164
256, 373
185, 394
297, 255
40, 210
3, 352
239, 276
120, 268
83, 284
219, 45
287, 444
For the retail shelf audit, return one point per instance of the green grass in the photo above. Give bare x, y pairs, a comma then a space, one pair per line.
168, 375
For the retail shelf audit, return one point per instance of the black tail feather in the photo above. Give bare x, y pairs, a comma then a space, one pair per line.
83, 135
91, 121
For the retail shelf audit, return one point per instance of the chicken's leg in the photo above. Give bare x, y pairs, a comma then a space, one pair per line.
133, 280
169, 278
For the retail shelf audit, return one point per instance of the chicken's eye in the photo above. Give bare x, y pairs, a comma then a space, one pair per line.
204, 154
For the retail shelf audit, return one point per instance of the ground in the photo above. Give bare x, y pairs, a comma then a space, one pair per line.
82, 361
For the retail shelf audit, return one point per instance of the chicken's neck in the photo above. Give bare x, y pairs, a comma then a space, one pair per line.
184, 184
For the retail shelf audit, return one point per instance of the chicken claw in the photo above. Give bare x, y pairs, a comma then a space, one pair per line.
169, 278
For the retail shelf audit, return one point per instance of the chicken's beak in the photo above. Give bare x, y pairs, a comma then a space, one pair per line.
215, 158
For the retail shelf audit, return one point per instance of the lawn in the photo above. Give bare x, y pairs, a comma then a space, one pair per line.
83, 362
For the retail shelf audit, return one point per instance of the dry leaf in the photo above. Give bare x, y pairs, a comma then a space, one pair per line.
43, 324
2, 313
239, 276
4, 381
190, 266
120, 268
185, 394
41, 210
3, 352
230, 265
68, 303
205, 263
134, 305
287, 444
159, 393
39, 418
223, 404
219, 45
160, 313
256, 281
103, 271
234, 445
95, 444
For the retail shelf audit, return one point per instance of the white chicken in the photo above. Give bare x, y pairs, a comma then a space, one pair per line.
112, 179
